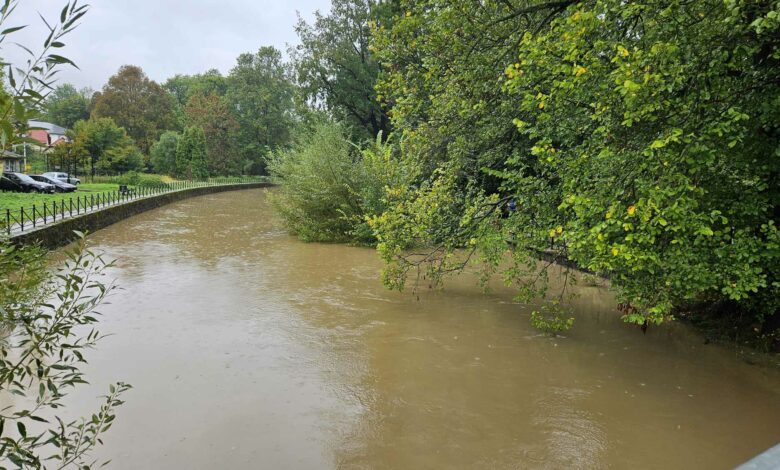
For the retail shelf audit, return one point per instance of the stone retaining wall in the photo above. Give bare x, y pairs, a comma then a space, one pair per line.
61, 233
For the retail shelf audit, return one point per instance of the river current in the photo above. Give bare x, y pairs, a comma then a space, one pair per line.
249, 349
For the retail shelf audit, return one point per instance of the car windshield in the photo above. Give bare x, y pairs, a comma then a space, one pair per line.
43, 178
25, 178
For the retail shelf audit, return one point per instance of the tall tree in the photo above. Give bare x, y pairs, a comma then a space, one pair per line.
66, 105
214, 116
136, 103
162, 156
260, 93
184, 87
191, 154
107, 146
336, 68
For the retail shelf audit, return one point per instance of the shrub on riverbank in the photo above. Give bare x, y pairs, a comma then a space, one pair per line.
134, 178
331, 186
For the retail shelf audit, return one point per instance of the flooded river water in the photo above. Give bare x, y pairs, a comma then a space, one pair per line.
249, 349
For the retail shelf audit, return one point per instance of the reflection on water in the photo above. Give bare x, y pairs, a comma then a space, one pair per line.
249, 349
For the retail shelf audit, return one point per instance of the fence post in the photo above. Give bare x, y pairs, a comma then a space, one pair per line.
8, 220
33, 216
45, 216
21, 217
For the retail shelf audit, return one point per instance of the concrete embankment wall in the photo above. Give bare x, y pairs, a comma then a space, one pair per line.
61, 233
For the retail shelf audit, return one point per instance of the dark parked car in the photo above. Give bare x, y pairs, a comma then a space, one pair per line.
59, 186
23, 183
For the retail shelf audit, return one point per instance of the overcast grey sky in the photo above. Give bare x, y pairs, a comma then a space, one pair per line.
164, 37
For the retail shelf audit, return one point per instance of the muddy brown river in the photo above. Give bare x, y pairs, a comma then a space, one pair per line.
248, 349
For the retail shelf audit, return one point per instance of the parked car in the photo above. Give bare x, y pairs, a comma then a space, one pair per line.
59, 186
64, 177
23, 183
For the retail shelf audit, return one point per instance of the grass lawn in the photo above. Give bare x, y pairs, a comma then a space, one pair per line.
14, 201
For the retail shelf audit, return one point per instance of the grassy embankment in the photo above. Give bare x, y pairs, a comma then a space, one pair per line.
13, 201
100, 189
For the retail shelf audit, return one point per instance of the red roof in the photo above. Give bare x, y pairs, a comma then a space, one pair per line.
40, 135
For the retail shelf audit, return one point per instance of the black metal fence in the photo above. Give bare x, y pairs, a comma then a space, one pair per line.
26, 218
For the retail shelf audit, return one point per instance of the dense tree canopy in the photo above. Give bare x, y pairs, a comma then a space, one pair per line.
213, 114
66, 105
636, 140
106, 146
184, 87
162, 156
191, 154
646, 144
136, 103
260, 95
336, 68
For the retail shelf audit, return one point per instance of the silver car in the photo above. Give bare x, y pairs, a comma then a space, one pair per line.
64, 177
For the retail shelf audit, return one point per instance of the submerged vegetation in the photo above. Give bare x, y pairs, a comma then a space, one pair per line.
636, 141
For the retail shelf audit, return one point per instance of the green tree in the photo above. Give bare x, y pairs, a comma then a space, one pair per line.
214, 116
66, 105
136, 103
163, 153
184, 87
443, 64
108, 147
663, 146
260, 94
645, 144
191, 154
336, 68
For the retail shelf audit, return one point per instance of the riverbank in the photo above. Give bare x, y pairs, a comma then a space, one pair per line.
60, 233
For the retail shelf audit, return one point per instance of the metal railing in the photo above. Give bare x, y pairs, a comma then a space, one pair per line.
49, 212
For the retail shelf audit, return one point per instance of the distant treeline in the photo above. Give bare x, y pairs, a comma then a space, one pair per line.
190, 126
